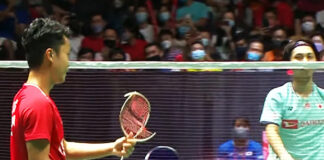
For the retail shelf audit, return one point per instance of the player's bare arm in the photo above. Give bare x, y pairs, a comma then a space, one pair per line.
38, 149
122, 147
276, 143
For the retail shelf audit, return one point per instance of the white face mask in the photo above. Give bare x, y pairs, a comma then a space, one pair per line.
308, 26
241, 132
166, 44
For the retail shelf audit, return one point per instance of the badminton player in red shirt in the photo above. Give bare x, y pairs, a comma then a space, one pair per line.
37, 129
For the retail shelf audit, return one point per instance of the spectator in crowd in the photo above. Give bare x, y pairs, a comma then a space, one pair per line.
285, 13
255, 50
145, 28
241, 46
120, 11
164, 18
270, 19
117, 54
318, 40
132, 42
196, 11
170, 46
197, 52
153, 52
305, 26
94, 41
86, 54
308, 25
241, 147
279, 40
111, 41
75, 38
7, 29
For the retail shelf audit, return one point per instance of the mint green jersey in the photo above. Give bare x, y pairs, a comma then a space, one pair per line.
300, 121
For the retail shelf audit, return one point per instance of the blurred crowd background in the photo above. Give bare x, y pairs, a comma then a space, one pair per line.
169, 30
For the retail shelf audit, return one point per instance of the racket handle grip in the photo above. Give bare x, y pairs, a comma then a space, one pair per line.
122, 158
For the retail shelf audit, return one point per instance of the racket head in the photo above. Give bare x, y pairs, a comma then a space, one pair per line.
134, 116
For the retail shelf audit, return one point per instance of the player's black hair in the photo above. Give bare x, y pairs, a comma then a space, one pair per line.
42, 33
293, 44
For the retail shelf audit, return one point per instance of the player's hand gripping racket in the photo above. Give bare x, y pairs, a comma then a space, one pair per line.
134, 115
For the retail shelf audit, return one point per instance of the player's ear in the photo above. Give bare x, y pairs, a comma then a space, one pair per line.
49, 53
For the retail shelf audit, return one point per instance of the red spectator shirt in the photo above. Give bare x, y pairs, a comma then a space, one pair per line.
92, 42
35, 116
136, 51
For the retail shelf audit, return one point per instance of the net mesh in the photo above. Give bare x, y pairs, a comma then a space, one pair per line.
192, 112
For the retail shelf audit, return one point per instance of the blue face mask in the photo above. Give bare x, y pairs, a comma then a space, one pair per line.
230, 22
164, 16
252, 56
183, 30
141, 17
97, 28
198, 54
205, 41
319, 47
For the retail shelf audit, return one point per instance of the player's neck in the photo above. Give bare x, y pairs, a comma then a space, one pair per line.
303, 88
40, 79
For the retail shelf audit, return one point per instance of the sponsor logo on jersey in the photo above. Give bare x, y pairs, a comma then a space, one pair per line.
289, 124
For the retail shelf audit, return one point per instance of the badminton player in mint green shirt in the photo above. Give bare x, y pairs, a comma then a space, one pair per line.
294, 113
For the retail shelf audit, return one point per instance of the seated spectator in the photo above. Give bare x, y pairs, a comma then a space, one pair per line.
279, 40
241, 45
94, 41
117, 54
86, 54
196, 11
164, 18
197, 52
153, 52
145, 28
169, 45
241, 147
285, 13
132, 42
318, 40
270, 19
7, 30
75, 38
111, 41
255, 50
305, 26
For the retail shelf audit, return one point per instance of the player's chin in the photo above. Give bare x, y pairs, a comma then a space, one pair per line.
60, 80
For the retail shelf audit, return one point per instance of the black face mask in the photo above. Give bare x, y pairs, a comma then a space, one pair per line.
110, 43
154, 58
240, 52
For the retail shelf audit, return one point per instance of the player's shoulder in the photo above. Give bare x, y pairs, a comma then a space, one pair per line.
30, 95
320, 90
283, 89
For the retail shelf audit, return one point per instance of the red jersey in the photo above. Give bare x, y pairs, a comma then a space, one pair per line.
35, 116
